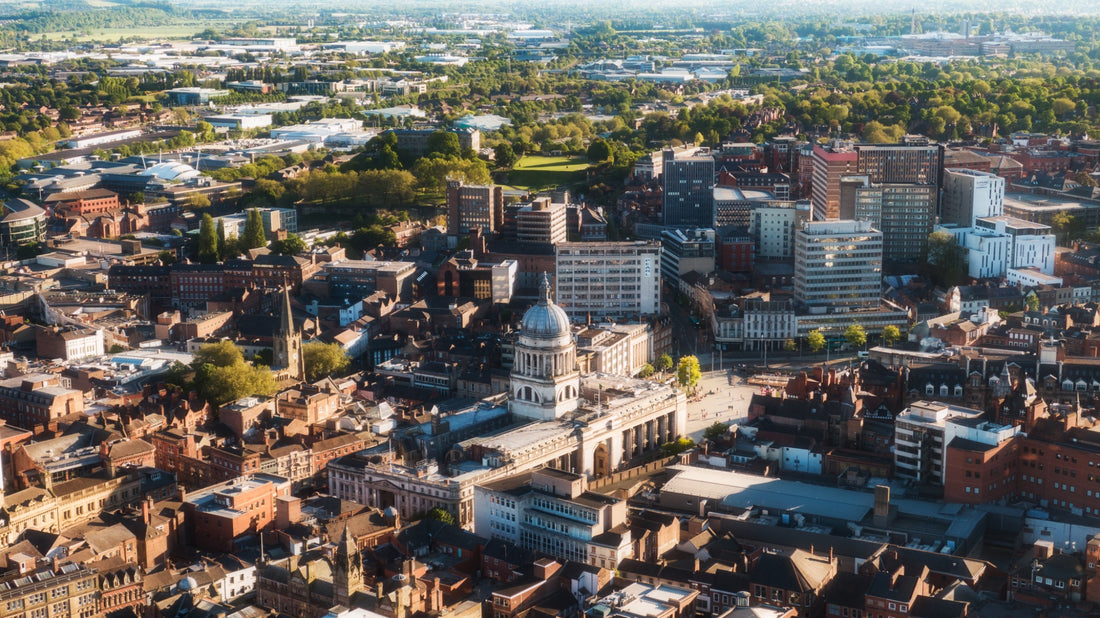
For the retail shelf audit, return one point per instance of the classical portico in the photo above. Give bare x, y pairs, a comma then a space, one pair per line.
633, 423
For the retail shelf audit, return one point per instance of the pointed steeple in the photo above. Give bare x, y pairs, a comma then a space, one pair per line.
286, 320
347, 568
287, 342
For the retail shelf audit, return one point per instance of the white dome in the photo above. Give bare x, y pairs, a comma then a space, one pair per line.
170, 170
545, 320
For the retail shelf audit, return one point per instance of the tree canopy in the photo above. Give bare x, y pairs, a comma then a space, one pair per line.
688, 371
221, 374
324, 359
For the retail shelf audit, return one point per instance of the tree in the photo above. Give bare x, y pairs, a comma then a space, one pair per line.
324, 359
664, 362
647, 371
291, 245
208, 240
441, 514
688, 372
198, 201
1032, 301
599, 151
890, 334
1065, 226
68, 113
716, 431
1063, 106
166, 257
815, 340
669, 449
1085, 179
221, 239
443, 143
790, 345
504, 154
856, 336
27, 251
222, 375
270, 191
253, 236
220, 354
945, 261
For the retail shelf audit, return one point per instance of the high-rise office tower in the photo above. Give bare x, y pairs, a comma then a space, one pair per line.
838, 265
689, 190
902, 212
830, 163
474, 207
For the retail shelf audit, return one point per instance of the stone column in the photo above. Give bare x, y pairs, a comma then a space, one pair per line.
650, 437
615, 451
588, 459
662, 430
639, 439
628, 445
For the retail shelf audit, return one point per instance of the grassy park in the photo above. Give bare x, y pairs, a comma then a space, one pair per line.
537, 172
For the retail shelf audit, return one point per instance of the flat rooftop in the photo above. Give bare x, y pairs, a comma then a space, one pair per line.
747, 491
1044, 203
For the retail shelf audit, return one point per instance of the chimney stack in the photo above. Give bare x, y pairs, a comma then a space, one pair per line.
882, 512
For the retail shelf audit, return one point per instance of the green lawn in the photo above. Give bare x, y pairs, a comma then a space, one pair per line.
536, 172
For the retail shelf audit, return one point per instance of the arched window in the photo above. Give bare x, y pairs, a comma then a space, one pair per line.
929, 389
943, 390
958, 390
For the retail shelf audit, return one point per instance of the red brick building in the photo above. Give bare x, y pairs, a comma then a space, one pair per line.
244, 505
83, 202
325, 451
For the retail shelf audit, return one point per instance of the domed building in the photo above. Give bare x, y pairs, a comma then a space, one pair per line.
586, 423
545, 382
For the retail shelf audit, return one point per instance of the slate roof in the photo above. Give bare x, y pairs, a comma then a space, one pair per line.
797, 572
884, 586
510, 553
929, 607
848, 590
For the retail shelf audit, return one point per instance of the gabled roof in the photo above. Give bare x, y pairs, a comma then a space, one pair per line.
798, 572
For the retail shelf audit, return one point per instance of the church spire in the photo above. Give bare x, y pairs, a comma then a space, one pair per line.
286, 320
287, 342
348, 568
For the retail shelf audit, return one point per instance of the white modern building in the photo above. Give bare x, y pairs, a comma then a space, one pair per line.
969, 195
920, 435
837, 265
609, 279
548, 511
1031, 245
274, 219
326, 131
772, 228
987, 253
239, 122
